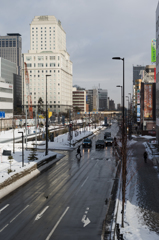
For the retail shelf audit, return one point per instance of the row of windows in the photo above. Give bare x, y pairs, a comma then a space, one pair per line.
43, 72
6, 90
6, 110
47, 102
43, 48
42, 28
41, 58
43, 93
6, 43
42, 31
42, 65
2, 99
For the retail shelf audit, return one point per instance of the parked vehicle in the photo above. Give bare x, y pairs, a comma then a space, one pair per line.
100, 144
109, 141
107, 134
87, 142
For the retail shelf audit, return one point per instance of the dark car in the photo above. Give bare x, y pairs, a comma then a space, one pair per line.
109, 141
107, 134
87, 142
100, 144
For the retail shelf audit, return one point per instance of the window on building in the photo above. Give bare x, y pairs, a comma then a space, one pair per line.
29, 65
40, 64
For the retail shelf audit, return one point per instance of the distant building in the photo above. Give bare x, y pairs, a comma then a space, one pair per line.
118, 106
137, 72
102, 99
11, 49
8, 73
48, 56
6, 98
92, 99
111, 105
79, 100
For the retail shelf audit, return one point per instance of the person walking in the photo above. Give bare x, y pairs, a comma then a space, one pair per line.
145, 156
78, 152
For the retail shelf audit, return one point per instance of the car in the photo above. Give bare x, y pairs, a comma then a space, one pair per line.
100, 144
107, 134
109, 141
87, 142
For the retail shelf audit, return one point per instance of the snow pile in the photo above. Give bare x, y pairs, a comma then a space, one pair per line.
61, 142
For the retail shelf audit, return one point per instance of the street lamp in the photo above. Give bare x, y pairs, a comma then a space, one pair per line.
121, 93
123, 149
22, 150
46, 151
128, 111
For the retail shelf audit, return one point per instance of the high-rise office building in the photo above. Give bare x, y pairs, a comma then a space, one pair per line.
137, 72
11, 49
48, 56
102, 99
92, 99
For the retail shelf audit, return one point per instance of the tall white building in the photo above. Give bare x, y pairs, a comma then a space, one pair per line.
48, 56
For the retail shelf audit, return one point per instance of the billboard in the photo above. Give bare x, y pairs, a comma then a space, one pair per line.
153, 50
138, 110
148, 108
154, 74
138, 96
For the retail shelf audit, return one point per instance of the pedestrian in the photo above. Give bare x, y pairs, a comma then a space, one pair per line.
145, 156
78, 151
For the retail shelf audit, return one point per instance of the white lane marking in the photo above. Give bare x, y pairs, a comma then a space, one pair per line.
52, 231
4, 207
84, 182
85, 220
4, 227
19, 213
40, 214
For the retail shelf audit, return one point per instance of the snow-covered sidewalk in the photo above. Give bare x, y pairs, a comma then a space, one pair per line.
141, 214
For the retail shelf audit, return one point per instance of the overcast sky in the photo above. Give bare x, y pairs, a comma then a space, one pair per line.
96, 31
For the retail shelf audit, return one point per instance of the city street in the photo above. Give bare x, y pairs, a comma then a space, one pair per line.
65, 202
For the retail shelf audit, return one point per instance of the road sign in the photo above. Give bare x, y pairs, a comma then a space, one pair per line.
2, 114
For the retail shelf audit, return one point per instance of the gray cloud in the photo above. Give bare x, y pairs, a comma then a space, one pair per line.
96, 31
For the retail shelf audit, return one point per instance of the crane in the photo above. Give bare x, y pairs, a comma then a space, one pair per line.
28, 91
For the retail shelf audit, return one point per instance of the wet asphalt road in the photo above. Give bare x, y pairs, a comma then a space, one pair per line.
65, 202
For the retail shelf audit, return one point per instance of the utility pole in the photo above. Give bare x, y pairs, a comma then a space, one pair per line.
26, 128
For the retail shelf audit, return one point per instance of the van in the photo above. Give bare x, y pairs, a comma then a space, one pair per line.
107, 134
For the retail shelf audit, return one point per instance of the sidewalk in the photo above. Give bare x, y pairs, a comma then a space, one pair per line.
141, 216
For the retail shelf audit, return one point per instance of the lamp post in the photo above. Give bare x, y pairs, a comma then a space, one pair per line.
128, 111
46, 151
121, 93
22, 150
123, 149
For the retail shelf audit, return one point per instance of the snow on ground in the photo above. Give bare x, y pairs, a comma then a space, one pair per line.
61, 142
134, 227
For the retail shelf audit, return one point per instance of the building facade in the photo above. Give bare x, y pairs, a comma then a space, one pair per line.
48, 56
8, 71
79, 100
11, 49
111, 105
137, 72
92, 99
6, 98
102, 99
